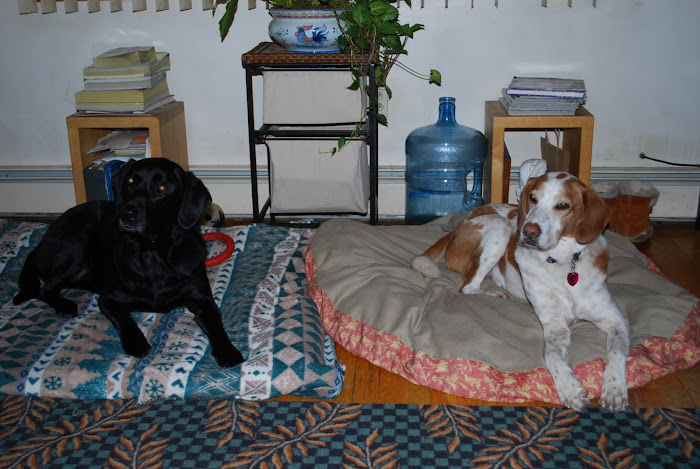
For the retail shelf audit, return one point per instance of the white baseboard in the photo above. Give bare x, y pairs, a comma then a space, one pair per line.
50, 190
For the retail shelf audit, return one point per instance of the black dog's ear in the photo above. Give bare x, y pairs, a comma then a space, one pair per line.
195, 201
118, 178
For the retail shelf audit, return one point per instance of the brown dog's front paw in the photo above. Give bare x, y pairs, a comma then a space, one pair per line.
614, 395
572, 394
227, 356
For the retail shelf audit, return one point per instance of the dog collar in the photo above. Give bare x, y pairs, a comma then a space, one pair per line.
571, 277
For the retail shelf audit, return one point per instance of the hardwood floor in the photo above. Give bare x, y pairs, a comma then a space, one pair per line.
674, 248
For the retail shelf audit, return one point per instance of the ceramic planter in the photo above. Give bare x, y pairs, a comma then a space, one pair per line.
305, 30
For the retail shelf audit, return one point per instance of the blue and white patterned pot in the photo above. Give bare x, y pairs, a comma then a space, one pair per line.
305, 30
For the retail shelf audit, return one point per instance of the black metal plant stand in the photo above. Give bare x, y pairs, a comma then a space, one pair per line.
270, 56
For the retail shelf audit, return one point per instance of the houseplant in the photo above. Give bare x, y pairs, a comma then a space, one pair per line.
372, 32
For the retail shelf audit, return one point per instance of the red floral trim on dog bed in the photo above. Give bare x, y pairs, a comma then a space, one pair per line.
654, 358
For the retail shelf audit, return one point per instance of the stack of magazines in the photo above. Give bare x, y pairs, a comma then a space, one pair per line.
527, 96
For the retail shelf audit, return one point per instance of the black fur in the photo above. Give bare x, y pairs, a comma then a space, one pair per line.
141, 252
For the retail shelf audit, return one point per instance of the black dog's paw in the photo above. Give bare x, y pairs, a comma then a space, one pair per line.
136, 347
65, 308
20, 298
227, 356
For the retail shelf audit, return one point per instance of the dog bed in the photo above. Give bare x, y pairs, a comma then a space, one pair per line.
260, 290
479, 346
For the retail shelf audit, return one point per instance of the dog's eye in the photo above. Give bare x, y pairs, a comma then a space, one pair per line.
562, 206
162, 188
130, 181
533, 199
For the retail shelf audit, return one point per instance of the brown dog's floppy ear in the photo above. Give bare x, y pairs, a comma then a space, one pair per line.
196, 199
118, 178
595, 217
524, 196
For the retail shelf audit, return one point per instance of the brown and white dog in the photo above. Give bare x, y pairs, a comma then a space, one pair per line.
550, 251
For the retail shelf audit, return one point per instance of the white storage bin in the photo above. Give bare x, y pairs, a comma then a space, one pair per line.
305, 97
304, 177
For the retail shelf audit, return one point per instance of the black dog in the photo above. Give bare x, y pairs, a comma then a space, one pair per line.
140, 252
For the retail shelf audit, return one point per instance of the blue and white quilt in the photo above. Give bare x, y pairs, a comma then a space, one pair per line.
261, 290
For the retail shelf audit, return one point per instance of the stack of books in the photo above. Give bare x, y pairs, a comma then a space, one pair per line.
546, 96
125, 80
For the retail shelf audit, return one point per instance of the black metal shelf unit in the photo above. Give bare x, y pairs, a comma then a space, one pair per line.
270, 56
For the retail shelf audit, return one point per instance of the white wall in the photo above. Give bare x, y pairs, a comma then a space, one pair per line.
640, 61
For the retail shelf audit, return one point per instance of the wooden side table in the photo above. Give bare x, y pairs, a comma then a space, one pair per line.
166, 131
578, 140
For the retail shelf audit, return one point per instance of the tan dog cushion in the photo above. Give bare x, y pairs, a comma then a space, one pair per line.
364, 286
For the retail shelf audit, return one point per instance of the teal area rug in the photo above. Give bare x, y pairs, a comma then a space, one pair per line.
260, 289
228, 433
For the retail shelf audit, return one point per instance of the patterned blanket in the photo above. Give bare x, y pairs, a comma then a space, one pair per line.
260, 290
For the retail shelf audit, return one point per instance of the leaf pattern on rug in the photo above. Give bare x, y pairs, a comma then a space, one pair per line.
535, 435
673, 424
16, 411
620, 459
39, 450
143, 454
383, 457
323, 420
232, 416
450, 420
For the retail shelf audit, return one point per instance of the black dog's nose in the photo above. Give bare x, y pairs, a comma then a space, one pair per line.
128, 219
531, 231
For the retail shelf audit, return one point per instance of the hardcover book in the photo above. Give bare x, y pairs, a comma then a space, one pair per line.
131, 83
161, 64
126, 108
124, 57
121, 96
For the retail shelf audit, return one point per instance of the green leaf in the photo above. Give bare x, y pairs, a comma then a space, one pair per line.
342, 43
360, 15
381, 118
352, 31
226, 20
383, 11
355, 85
435, 77
389, 28
394, 43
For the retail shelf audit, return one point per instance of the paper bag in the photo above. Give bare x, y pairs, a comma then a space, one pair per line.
557, 158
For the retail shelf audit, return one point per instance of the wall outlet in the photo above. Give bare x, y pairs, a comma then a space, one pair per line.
382, 101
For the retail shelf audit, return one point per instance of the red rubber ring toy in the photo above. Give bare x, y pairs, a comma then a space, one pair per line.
216, 260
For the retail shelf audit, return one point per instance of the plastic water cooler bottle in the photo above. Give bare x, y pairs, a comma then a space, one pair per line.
440, 159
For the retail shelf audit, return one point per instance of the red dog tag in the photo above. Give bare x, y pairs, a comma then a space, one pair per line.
572, 278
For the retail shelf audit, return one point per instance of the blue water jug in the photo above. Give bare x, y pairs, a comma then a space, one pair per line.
439, 160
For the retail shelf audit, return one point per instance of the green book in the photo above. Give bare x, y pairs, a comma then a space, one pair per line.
124, 57
121, 96
161, 64
132, 83
143, 107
